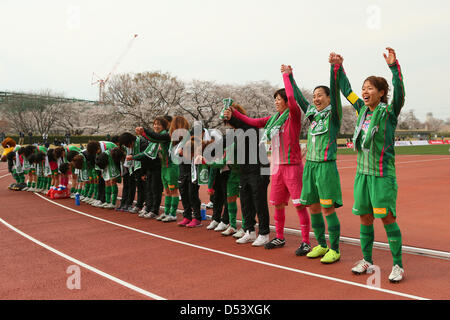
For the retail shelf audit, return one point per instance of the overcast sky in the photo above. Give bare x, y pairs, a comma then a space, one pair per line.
58, 44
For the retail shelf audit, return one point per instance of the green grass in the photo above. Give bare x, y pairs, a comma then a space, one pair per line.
442, 149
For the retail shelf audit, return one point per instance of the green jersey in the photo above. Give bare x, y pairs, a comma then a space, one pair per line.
374, 133
325, 124
106, 145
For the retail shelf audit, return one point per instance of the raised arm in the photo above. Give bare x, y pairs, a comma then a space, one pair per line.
155, 137
301, 100
345, 86
294, 110
398, 99
335, 94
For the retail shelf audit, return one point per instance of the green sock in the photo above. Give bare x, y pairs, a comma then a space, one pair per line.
232, 212
167, 205
174, 205
318, 225
29, 184
22, 177
108, 194
16, 177
334, 230
39, 183
395, 242
367, 236
91, 190
33, 184
83, 190
95, 191
49, 182
114, 192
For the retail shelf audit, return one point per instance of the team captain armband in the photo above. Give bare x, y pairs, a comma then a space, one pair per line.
352, 97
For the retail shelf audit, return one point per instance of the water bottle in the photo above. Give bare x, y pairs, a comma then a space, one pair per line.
77, 199
203, 211
226, 104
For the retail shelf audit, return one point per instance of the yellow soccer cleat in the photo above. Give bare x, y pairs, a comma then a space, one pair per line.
331, 256
317, 252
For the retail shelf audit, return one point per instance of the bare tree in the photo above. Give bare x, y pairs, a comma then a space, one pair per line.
141, 97
408, 121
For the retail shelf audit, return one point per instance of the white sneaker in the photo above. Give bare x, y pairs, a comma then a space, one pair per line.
396, 274
104, 205
239, 234
361, 267
261, 240
210, 205
161, 216
97, 203
230, 230
110, 206
212, 225
169, 218
32, 189
150, 215
221, 227
248, 237
142, 213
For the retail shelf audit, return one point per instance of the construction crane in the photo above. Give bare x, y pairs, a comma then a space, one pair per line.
101, 82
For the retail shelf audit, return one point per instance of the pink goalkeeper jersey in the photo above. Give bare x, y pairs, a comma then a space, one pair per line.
289, 135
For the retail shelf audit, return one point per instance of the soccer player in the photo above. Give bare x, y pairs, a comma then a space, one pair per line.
109, 163
282, 134
321, 190
375, 188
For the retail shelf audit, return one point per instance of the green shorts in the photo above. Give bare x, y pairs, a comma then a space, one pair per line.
111, 172
169, 177
233, 183
377, 195
321, 184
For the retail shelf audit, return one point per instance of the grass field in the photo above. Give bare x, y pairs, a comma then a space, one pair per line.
442, 149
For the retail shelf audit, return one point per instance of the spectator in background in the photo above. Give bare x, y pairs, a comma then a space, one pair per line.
21, 137
68, 137
2, 136
30, 137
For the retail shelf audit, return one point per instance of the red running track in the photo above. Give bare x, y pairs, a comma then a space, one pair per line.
156, 259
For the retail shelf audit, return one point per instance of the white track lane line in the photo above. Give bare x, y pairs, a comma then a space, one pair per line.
241, 257
84, 265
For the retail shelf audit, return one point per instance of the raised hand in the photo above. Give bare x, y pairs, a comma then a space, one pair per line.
228, 113
286, 69
390, 57
335, 58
